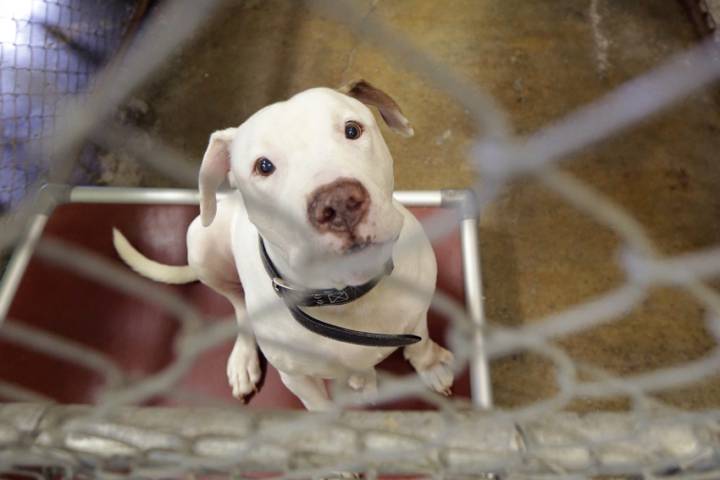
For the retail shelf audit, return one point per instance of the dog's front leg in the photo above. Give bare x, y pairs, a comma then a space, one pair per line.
243, 367
431, 361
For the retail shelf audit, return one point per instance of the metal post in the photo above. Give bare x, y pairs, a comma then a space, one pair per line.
45, 201
19, 262
464, 202
480, 370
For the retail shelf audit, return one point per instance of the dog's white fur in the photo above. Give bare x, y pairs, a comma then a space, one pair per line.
304, 138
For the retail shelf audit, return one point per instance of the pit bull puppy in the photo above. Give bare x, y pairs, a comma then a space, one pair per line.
312, 207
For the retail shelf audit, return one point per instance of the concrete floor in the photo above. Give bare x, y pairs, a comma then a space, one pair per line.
540, 60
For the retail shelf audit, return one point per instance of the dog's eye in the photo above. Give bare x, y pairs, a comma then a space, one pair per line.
264, 167
353, 130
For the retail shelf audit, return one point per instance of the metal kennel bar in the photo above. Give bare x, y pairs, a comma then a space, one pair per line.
390, 442
180, 196
18, 263
461, 200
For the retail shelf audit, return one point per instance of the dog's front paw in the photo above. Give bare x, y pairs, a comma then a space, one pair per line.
243, 369
439, 374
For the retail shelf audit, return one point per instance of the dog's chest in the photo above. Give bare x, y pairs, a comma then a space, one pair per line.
293, 349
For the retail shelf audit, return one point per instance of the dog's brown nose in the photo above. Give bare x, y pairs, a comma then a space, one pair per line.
338, 206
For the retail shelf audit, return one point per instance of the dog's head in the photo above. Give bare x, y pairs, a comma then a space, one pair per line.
316, 177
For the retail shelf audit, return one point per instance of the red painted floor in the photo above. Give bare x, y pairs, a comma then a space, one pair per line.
138, 335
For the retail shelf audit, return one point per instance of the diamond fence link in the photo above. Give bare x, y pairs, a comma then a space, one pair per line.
114, 439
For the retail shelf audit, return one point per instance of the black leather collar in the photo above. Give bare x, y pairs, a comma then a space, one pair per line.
294, 297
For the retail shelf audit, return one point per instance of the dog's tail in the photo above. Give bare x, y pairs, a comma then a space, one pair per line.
150, 268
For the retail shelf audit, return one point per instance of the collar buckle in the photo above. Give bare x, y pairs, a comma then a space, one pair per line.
281, 286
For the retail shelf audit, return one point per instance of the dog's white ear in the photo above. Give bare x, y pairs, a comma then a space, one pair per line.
389, 109
213, 170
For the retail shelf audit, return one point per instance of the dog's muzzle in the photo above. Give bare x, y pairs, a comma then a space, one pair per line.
296, 296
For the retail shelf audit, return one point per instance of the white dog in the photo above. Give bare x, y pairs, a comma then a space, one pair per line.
313, 213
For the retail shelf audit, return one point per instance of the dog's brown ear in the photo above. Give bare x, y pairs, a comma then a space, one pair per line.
389, 109
213, 170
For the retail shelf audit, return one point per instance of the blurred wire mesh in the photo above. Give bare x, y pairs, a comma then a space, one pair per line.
536, 441
49, 51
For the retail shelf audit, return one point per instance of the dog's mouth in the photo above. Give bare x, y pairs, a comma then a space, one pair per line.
359, 246
355, 263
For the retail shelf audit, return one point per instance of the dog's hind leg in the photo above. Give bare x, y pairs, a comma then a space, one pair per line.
431, 361
365, 384
310, 390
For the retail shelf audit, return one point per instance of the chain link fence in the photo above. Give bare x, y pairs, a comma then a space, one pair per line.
49, 51
116, 439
